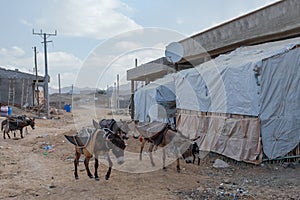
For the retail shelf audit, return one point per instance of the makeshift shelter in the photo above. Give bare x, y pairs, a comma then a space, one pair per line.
156, 101
237, 100
18, 88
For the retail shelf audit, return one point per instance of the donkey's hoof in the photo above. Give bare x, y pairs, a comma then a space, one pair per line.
76, 178
97, 178
91, 177
178, 170
165, 169
106, 177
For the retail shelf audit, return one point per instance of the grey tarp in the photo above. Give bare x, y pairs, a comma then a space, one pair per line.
280, 103
151, 101
242, 83
227, 84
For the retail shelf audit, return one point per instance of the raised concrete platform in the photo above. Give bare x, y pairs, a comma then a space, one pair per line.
277, 21
150, 71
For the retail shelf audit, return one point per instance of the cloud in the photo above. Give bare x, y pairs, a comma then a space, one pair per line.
92, 18
58, 62
63, 61
99, 70
12, 52
65, 64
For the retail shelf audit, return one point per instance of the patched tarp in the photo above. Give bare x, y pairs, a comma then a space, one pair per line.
260, 81
236, 138
228, 83
156, 101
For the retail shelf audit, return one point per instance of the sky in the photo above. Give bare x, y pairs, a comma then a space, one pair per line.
98, 39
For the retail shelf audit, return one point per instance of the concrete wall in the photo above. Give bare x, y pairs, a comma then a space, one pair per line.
280, 20
21, 85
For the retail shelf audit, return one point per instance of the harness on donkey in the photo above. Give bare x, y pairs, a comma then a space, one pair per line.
94, 142
154, 131
16, 122
162, 135
107, 123
83, 139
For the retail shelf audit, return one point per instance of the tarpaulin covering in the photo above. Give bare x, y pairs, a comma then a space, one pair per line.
280, 103
237, 138
228, 83
156, 101
261, 81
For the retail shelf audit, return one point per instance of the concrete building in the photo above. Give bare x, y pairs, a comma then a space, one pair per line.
17, 88
277, 21
241, 40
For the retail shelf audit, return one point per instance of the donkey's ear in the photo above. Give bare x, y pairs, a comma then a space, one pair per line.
96, 124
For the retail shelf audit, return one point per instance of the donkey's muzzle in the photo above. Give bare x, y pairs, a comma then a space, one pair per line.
120, 160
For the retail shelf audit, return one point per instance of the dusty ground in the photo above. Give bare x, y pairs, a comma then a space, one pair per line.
27, 171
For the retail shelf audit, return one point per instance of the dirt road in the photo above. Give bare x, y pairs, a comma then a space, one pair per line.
27, 171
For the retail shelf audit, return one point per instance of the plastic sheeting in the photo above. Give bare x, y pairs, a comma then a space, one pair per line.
261, 81
237, 138
228, 83
156, 101
280, 103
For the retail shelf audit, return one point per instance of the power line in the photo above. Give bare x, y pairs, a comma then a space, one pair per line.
46, 79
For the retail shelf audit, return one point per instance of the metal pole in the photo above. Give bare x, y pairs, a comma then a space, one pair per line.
46, 78
46, 92
132, 100
36, 79
132, 95
118, 90
59, 89
115, 96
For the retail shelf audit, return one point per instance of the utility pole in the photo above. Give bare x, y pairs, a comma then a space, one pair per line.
59, 89
132, 95
46, 79
36, 89
118, 90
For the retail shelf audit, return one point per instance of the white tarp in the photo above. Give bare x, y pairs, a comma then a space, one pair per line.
151, 100
260, 80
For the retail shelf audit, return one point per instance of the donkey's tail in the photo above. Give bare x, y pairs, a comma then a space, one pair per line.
2, 125
71, 139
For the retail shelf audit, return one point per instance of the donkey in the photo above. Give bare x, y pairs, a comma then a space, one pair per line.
16, 123
96, 142
118, 127
161, 137
193, 151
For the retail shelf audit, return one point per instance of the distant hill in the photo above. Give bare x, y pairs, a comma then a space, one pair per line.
76, 90
124, 90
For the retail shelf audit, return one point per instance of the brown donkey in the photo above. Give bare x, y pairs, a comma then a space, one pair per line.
14, 123
96, 142
160, 135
